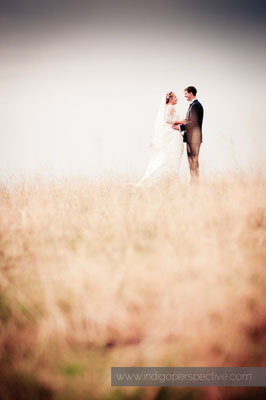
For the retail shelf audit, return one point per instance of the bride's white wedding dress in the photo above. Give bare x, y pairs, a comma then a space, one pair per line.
167, 147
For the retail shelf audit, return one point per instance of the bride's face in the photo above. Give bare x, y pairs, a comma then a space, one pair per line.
173, 100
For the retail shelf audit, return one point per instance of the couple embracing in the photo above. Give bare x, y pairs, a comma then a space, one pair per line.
169, 135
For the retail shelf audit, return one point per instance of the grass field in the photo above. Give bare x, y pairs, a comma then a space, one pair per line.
94, 275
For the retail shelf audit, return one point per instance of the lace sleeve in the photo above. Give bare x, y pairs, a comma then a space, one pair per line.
169, 117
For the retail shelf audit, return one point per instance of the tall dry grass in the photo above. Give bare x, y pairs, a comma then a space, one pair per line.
94, 275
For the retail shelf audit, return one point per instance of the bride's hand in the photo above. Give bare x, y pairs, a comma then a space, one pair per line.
183, 121
176, 127
151, 145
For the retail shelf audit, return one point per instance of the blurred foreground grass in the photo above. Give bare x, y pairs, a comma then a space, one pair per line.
94, 275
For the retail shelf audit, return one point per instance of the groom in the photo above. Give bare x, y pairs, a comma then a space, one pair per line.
192, 131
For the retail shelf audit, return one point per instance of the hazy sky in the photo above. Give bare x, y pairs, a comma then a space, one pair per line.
81, 81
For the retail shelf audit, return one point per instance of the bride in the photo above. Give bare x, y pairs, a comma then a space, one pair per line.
167, 144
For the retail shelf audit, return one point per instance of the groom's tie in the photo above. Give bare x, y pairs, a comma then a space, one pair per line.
189, 109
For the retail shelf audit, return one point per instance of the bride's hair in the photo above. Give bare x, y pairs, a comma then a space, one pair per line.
169, 95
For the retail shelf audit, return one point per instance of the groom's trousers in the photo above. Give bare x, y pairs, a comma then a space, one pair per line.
193, 160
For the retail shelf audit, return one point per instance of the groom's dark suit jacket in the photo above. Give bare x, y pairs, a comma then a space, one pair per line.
193, 127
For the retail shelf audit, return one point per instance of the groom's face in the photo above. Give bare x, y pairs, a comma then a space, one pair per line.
188, 96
